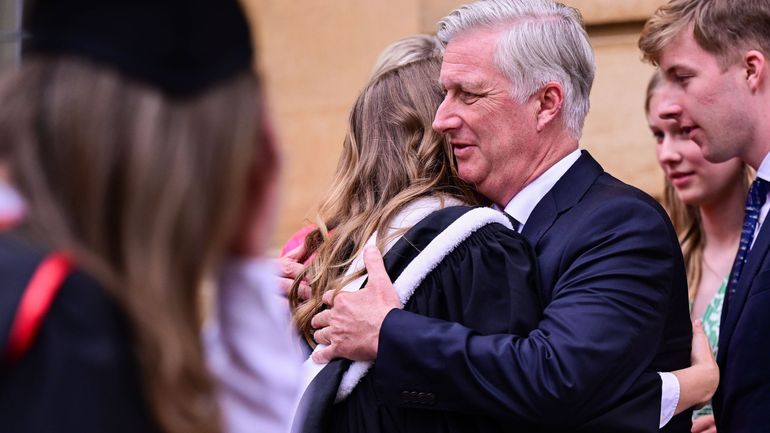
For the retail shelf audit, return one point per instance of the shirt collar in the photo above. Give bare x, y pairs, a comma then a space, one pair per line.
523, 203
764, 169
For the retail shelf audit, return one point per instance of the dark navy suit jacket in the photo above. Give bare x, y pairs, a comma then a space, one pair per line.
616, 311
742, 401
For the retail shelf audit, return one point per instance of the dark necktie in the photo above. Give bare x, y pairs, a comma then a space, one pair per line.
754, 201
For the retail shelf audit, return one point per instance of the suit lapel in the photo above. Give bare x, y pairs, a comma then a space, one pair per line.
564, 194
736, 304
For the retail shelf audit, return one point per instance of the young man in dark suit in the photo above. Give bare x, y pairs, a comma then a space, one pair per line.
715, 60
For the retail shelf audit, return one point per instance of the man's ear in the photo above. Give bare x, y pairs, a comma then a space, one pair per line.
754, 62
550, 102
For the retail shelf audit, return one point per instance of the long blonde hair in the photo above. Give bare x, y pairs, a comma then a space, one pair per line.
686, 218
144, 191
390, 157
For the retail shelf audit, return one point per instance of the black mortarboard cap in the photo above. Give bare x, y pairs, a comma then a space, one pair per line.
179, 46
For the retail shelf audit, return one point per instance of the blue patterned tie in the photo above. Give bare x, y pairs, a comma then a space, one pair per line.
754, 201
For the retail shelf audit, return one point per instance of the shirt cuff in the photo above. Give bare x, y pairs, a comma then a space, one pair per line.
669, 397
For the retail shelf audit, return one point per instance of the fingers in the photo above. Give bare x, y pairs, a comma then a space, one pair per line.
321, 320
322, 336
375, 267
379, 281
328, 297
289, 268
701, 350
704, 424
697, 327
325, 355
304, 291
297, 253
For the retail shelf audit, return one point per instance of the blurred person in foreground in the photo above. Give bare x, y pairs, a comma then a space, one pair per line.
137, 135
396, 189
704, 201
714, 57
517, 75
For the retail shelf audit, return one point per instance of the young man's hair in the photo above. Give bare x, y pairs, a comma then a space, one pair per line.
724, 28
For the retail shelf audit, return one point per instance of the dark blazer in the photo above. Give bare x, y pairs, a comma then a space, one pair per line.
742, 401
616, 311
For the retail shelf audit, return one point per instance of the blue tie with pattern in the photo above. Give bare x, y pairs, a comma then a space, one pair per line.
754, 201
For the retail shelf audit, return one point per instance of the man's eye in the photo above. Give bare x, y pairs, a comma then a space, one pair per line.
469, 98
658, 136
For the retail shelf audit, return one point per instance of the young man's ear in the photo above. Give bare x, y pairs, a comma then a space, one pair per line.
550, 102
754, 62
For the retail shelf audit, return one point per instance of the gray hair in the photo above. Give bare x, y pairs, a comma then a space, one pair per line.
543, 41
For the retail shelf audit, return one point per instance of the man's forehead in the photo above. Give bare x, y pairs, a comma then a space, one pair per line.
467, 59
472, 74
680, 51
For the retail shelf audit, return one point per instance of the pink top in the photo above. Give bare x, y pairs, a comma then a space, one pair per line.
296, 240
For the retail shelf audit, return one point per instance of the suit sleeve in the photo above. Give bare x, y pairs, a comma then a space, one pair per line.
599, 332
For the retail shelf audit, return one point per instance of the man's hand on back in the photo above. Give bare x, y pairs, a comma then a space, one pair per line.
351, 326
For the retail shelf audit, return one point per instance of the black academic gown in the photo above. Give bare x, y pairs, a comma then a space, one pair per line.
80, 375
487, 283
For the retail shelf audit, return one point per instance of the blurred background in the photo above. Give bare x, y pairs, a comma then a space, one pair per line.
315, 56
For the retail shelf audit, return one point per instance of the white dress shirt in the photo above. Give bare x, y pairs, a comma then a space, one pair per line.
521, 207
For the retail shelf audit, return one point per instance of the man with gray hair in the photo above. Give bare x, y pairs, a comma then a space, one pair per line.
517, 75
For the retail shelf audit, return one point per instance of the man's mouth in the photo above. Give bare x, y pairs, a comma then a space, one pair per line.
462, 149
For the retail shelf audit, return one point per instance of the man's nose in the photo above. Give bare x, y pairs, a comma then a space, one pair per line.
446, 119
670, 108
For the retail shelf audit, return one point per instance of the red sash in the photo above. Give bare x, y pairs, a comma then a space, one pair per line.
35, 303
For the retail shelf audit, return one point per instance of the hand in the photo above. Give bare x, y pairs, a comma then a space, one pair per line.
289, 268
351, 327
704, 424
698, 382
702, 357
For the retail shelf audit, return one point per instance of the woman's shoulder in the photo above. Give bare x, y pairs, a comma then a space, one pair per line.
458, 233
456, 224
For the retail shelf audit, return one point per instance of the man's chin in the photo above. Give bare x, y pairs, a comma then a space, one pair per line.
712, 155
